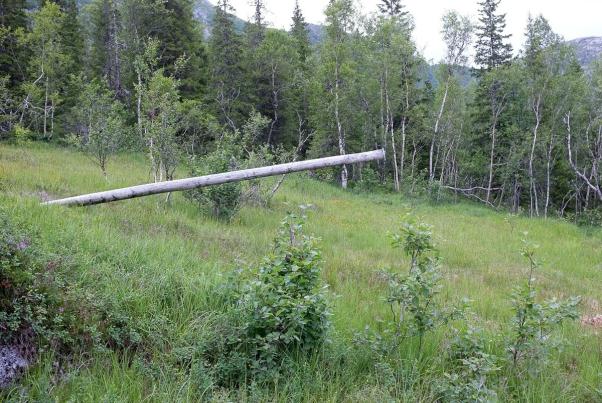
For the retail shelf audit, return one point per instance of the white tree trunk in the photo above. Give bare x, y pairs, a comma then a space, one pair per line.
436, 131
340, 131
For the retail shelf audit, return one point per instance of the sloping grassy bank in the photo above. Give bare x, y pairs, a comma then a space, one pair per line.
160, 265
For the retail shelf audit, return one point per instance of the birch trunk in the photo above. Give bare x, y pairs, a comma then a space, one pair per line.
534, 203
340, 131
436, 131
391, 130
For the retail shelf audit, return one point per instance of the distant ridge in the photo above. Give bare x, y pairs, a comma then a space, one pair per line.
204, 12
588, 49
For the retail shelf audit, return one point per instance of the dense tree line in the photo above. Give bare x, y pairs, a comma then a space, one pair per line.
525, 132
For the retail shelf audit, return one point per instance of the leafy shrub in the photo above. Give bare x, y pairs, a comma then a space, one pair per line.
413, 297
29, 297
533, 322
279, 310
22, 134
587, 218
370, 182
471, 367
255, 192
223, 200
284, 305
38, 299
235, 150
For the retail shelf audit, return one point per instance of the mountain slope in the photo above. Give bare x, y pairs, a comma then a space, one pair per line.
204, 12
588, 49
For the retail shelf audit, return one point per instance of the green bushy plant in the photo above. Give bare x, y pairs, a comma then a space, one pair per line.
235, 150
222, 200
533, 321
22, 135
274, 312
471, 367
412, 297
39, 299
284, 304
370, 182
255, 191
28, 300
587, 218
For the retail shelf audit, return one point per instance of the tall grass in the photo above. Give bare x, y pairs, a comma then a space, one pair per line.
160, 265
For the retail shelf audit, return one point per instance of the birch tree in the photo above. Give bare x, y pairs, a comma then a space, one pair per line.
103, 129
47, 66
336, 62
457, 34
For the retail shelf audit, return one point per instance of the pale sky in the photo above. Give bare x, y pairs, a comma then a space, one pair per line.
572, 19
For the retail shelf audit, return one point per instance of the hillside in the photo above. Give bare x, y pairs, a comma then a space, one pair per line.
588, 49
204, 11
161, 265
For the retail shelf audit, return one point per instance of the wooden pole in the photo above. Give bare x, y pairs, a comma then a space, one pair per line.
215, 179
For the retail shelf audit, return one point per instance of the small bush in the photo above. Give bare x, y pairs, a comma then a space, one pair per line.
284, 304
22, 135
29, 290
369, 182
534, 322
279, 310
413, 296
42, 307
223, 200
471, 367
587, 218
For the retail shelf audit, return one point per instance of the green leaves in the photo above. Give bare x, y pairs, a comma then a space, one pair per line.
284, 306
533, 322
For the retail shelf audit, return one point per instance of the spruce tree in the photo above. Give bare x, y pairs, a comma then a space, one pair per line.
300, 34
393, 8
182, 38
298, 99
491, 49
227, 73
255, 87
105, 57
13, 54
255, 29
71, 32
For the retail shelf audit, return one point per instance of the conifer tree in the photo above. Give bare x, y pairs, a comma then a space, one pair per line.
393, 8
71, 31
227, 74
298, 106
300, 34
106, 49
255, 29
182, 38
256, 87
491, 48
13, 55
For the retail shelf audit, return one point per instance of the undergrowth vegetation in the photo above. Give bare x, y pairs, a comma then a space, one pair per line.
147, 301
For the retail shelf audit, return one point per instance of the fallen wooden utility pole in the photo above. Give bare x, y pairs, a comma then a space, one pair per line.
216, 179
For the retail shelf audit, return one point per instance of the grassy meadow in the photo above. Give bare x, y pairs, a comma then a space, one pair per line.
160, 265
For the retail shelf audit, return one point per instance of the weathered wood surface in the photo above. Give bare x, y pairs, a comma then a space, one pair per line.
216, 179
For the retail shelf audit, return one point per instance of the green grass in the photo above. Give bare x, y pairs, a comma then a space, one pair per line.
160, 263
